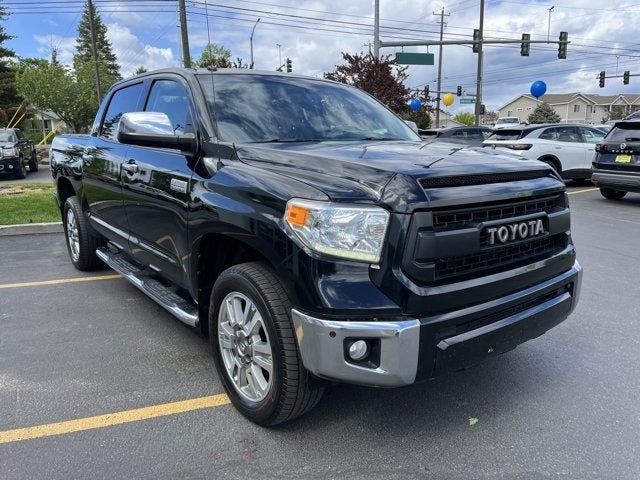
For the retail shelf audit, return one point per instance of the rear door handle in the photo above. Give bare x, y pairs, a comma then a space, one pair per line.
130, 167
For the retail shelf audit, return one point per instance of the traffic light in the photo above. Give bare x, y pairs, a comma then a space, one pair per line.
601, 79
483, 109
459, 91
289, 68
476, 37
625, 77
562, 45
525, 46
425, 92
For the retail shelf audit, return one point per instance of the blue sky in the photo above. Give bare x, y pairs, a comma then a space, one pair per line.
313, 33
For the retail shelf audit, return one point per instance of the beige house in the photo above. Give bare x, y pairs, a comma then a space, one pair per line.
446, 119
575, 107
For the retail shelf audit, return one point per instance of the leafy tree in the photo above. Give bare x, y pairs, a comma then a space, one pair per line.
9, 97
104, 52
543, 113
421, 117
465, 118
49, 86
491, 117
140, 70
216, 56
380, 77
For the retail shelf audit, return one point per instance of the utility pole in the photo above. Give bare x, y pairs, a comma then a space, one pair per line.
549, 24
376, 29
439, 86
279, 54
184, 35
480, 62
94, 53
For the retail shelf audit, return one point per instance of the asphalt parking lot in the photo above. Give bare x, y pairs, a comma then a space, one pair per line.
562, 406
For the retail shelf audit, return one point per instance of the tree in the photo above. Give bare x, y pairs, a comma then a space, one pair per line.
465, 118
104, 52
380, 77
421, 117
9, 97
49, 86
543, 113
216, 56
491, 117
140, 70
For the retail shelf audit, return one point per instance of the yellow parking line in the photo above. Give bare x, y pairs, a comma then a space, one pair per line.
583, 191
110, 419
59, 281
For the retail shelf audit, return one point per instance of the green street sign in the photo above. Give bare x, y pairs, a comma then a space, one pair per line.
467, 100
404, 58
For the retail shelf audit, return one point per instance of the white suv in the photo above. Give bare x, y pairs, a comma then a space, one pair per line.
507, 122
569, 149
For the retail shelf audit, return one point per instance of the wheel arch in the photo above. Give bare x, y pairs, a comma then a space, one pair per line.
64, 190
555, 161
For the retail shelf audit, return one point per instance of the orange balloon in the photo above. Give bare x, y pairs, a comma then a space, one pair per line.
448, 99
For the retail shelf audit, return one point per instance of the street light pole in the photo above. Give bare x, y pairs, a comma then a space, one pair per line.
251, 41
549, 24
439, 84
279, 55
376, 29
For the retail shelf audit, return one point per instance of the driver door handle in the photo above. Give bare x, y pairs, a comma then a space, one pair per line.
130, 167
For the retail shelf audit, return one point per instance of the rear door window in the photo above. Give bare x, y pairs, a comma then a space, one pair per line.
122, 101
567, 134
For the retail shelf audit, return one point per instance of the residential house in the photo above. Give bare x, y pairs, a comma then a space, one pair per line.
446, 119
575, 107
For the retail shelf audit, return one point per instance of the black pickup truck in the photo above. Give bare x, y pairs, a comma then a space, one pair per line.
16, 153
311, 235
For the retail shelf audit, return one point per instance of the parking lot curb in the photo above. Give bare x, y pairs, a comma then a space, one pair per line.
30, 229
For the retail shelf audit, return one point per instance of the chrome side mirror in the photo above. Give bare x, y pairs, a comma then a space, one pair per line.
153, 129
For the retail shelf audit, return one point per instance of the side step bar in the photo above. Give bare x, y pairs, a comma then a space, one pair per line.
181, 308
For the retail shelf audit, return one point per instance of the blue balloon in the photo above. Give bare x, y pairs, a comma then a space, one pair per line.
415, 104
538, 88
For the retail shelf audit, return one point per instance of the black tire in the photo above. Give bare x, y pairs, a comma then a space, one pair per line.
87, 239
22, 169
33, 162
553, 164
293, 391
611, 194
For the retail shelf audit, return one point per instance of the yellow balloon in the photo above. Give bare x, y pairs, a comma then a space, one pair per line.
448, 99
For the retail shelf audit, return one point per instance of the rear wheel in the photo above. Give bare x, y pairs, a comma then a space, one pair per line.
33, 162
611, 194
82, 241
552, 163
254, 346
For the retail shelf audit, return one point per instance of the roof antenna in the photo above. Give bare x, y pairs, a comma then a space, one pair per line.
211, 68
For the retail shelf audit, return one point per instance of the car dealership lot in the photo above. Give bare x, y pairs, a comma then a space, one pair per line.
561, 406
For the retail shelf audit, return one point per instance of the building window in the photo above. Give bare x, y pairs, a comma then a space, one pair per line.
509, 113
576, 108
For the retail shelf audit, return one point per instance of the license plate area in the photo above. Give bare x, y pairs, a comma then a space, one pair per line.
623, 159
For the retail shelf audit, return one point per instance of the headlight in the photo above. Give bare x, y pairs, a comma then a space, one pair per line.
346, 231
10, 152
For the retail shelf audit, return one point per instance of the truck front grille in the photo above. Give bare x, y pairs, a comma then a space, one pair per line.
464, 218
496, 259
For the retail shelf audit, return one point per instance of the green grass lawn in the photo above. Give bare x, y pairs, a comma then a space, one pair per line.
27, 203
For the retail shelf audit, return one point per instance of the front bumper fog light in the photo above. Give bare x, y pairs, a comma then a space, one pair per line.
358, 350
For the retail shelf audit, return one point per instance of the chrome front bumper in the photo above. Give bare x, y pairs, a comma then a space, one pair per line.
401, 358
321, 344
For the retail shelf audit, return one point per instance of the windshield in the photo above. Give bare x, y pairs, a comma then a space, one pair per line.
7, 137
271, 108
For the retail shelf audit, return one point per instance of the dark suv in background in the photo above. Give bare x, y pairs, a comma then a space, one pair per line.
616, 167
16, 153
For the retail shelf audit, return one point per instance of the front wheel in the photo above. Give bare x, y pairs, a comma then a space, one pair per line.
22, 169
611, 194
82, 241
33, 162
254, 346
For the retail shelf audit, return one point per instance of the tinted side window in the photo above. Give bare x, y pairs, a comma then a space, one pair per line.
170, 97
19, 134
568, 134
122, 101
549, 134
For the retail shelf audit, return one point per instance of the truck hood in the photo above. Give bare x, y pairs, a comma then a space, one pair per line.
357, 171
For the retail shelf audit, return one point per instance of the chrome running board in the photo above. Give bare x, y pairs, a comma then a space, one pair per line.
182, 309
